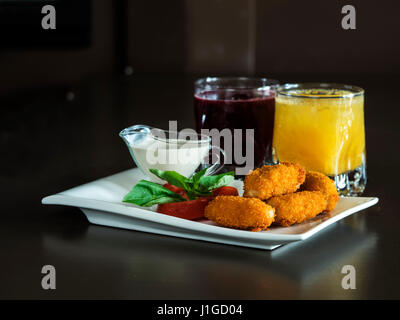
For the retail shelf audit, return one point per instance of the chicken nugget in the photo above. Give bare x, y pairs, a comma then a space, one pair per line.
241, 213
274, 180
297, 207
316, 181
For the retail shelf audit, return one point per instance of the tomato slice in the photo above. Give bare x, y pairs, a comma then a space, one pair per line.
176, 189
192, 209
225, 191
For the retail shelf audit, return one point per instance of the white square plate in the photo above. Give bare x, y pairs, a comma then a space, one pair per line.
100, 201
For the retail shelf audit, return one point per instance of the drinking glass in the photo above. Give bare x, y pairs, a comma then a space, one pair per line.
238, 103
321, 126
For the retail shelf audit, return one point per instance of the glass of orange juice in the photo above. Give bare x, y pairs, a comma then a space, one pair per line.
321, 126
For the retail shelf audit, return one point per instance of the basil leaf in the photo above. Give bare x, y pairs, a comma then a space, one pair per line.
172, 177
146, 194
208, 183
196, 177
200, 193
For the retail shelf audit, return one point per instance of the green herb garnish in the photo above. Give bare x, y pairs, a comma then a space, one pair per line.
208, 183
147, 193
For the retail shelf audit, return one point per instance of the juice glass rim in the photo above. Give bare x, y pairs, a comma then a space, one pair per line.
237, 82
351, 90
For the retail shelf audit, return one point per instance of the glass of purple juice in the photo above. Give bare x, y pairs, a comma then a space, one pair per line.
238, 103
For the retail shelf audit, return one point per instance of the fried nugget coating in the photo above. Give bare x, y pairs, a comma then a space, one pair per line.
275, 180
316, 181
297, 207
241, 213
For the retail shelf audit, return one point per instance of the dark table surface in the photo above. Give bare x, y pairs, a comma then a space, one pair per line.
53, 139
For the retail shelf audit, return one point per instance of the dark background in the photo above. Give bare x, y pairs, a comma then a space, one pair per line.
210, 36
66, 93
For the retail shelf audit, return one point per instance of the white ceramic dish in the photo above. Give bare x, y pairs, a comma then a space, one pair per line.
100, 201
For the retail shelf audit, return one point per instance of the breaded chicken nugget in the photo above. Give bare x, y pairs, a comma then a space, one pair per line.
316, 181
275, 180
297, 207
241, 213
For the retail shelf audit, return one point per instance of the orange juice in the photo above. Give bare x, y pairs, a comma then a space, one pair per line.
322, 129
